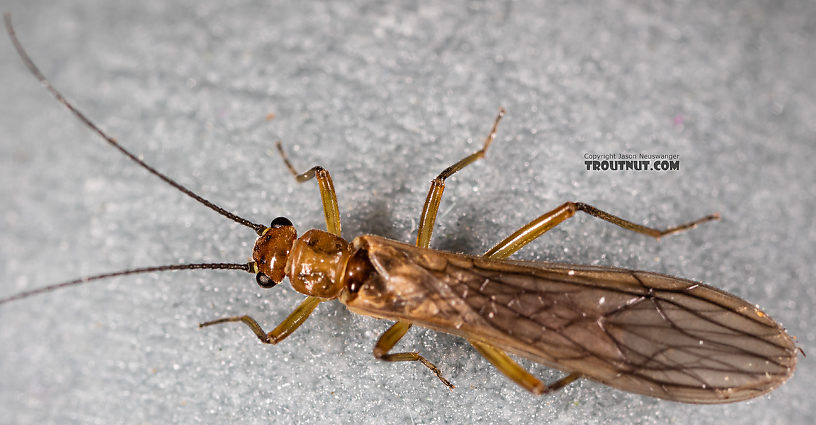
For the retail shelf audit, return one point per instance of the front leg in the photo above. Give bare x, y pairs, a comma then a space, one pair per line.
328, 197
283, 330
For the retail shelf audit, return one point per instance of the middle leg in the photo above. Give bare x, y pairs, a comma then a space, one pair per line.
390, 338
431, 206
426, 224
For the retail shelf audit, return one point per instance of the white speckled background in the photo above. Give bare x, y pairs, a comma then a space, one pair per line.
384, 96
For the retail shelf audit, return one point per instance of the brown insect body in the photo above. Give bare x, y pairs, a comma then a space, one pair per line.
638, 331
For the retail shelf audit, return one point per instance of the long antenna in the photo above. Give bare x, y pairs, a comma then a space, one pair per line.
247, 267
259, 228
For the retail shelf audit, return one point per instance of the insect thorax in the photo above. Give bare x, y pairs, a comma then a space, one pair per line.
317, 262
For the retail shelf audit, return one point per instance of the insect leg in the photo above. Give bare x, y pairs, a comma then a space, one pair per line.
518, 374
327, 194
510, 368
542, 224
283, 330
429, 210
391, 337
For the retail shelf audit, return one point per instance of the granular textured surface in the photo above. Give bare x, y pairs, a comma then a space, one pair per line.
385, 96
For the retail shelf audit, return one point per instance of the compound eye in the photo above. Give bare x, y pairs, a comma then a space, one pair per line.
280, 222
264, 281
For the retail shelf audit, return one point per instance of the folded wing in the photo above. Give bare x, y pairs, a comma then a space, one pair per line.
641, 332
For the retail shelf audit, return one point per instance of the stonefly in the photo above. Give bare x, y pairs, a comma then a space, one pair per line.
637, 331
